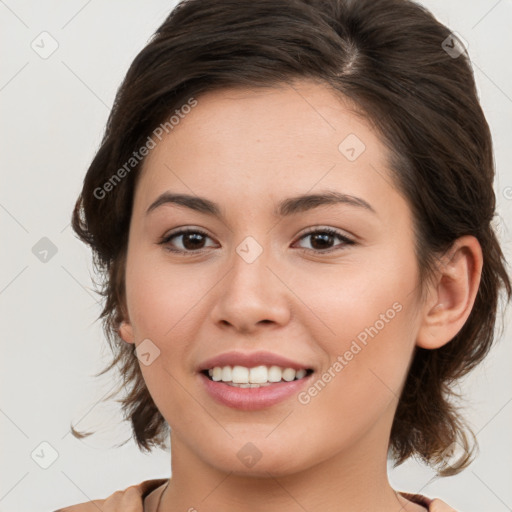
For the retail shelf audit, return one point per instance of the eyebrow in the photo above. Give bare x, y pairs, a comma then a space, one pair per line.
287, 207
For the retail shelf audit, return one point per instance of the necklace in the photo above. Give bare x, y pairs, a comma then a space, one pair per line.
161, 495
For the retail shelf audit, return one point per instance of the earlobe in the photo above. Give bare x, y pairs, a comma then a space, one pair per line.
452, 294
126, 332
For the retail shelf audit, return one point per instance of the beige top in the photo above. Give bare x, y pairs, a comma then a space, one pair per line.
132, 499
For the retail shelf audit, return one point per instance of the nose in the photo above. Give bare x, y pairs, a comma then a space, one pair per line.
251, 295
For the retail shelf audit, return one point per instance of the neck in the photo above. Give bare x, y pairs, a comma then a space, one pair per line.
352, 479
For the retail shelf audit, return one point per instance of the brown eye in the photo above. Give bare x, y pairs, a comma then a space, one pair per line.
192, 240
322, 240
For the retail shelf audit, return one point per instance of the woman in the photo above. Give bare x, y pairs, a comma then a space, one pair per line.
292, 205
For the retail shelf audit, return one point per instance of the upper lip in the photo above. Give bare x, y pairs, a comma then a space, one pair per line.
249, 360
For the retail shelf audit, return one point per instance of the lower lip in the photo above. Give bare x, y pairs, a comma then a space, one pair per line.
252, 399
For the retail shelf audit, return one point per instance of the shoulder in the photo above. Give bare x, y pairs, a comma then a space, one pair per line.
431, 504
436, 505
126, 500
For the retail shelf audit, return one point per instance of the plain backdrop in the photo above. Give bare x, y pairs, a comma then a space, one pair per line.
53, 111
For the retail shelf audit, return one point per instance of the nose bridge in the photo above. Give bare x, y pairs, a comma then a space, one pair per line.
251, 293
249, 266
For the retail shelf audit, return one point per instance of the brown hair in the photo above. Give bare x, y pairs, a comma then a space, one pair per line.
389, 59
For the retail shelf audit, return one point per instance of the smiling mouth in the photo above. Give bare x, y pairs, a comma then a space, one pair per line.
260, 376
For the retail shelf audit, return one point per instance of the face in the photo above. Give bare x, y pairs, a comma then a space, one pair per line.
329, 285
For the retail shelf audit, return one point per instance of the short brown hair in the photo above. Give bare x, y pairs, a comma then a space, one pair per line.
388, 58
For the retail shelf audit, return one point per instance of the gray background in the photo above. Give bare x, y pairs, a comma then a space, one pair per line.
53, 112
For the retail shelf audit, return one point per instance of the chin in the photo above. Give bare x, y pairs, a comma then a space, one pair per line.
255, 459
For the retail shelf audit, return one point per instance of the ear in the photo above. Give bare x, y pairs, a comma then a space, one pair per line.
126, 332
452, 293
125, 329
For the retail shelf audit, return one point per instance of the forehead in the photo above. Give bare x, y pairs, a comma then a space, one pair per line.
266, 143
305, 118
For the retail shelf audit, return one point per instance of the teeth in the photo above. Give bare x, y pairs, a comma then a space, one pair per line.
240, 375
256, 376
226, 374
300, 374
275, 374
248, 385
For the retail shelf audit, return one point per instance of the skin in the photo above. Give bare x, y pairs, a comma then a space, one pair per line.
247, 150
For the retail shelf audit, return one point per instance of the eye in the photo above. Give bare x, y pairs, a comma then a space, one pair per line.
321, 238
192, 241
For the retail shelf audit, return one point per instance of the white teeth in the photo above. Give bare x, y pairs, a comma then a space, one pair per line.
226, 374
274, 374
289, 374
300, 374
248, 385
242, 376
258, 375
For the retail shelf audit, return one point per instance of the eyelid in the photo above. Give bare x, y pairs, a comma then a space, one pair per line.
322, 228
346, 239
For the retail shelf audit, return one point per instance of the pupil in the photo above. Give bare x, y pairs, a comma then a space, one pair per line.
326, 237
196, 236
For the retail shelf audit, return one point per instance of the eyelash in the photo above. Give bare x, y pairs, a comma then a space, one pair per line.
330, 231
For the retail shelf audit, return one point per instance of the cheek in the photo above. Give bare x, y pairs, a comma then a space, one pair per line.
161, 299
343, 302
366, 315
368, 362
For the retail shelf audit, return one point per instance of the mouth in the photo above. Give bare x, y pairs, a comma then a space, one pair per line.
255, 377
235, 386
